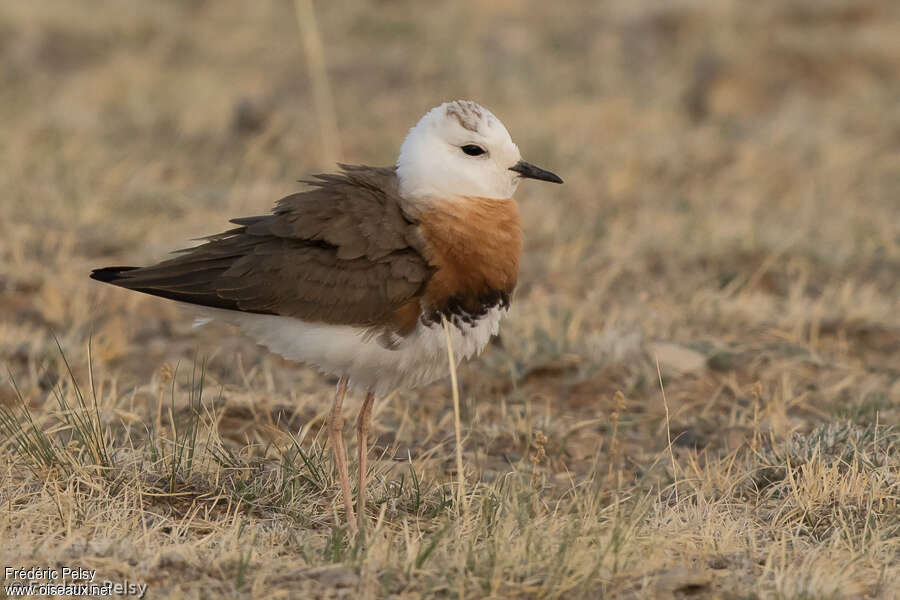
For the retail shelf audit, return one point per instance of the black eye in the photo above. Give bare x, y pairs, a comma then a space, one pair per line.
473, 150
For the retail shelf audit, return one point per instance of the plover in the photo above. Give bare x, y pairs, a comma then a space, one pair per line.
355, 274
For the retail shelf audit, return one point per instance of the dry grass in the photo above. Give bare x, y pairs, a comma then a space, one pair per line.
730, 209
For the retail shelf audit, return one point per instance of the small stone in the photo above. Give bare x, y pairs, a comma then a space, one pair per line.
677, 360
724, 361
682, 582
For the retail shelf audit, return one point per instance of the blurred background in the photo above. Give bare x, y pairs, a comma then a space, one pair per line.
732, 173
731, 206
732, 169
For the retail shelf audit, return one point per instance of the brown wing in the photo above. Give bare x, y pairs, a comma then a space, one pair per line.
342, 252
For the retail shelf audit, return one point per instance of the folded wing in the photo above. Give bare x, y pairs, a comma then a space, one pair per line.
343, 252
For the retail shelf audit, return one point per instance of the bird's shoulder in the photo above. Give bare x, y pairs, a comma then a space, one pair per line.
358, 211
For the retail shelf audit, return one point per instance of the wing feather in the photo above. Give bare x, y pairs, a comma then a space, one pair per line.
342, 252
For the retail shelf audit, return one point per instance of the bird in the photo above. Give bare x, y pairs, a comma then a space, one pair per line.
357, 274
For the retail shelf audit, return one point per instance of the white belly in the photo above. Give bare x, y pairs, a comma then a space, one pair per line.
344, 350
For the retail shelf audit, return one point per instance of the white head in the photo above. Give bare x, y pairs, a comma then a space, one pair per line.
461, 149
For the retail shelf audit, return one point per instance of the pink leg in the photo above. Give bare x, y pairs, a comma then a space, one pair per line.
362, 431
335, 432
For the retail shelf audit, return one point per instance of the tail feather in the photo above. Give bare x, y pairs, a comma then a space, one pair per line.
110, 274
122, 277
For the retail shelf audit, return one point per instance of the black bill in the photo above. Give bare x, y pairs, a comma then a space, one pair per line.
528, 170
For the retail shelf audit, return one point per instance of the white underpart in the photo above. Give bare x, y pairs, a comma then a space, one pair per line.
344, 350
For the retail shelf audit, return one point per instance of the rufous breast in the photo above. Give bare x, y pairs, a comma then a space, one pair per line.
475, 244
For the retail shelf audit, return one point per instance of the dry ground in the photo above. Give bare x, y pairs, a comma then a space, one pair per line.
731, 209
